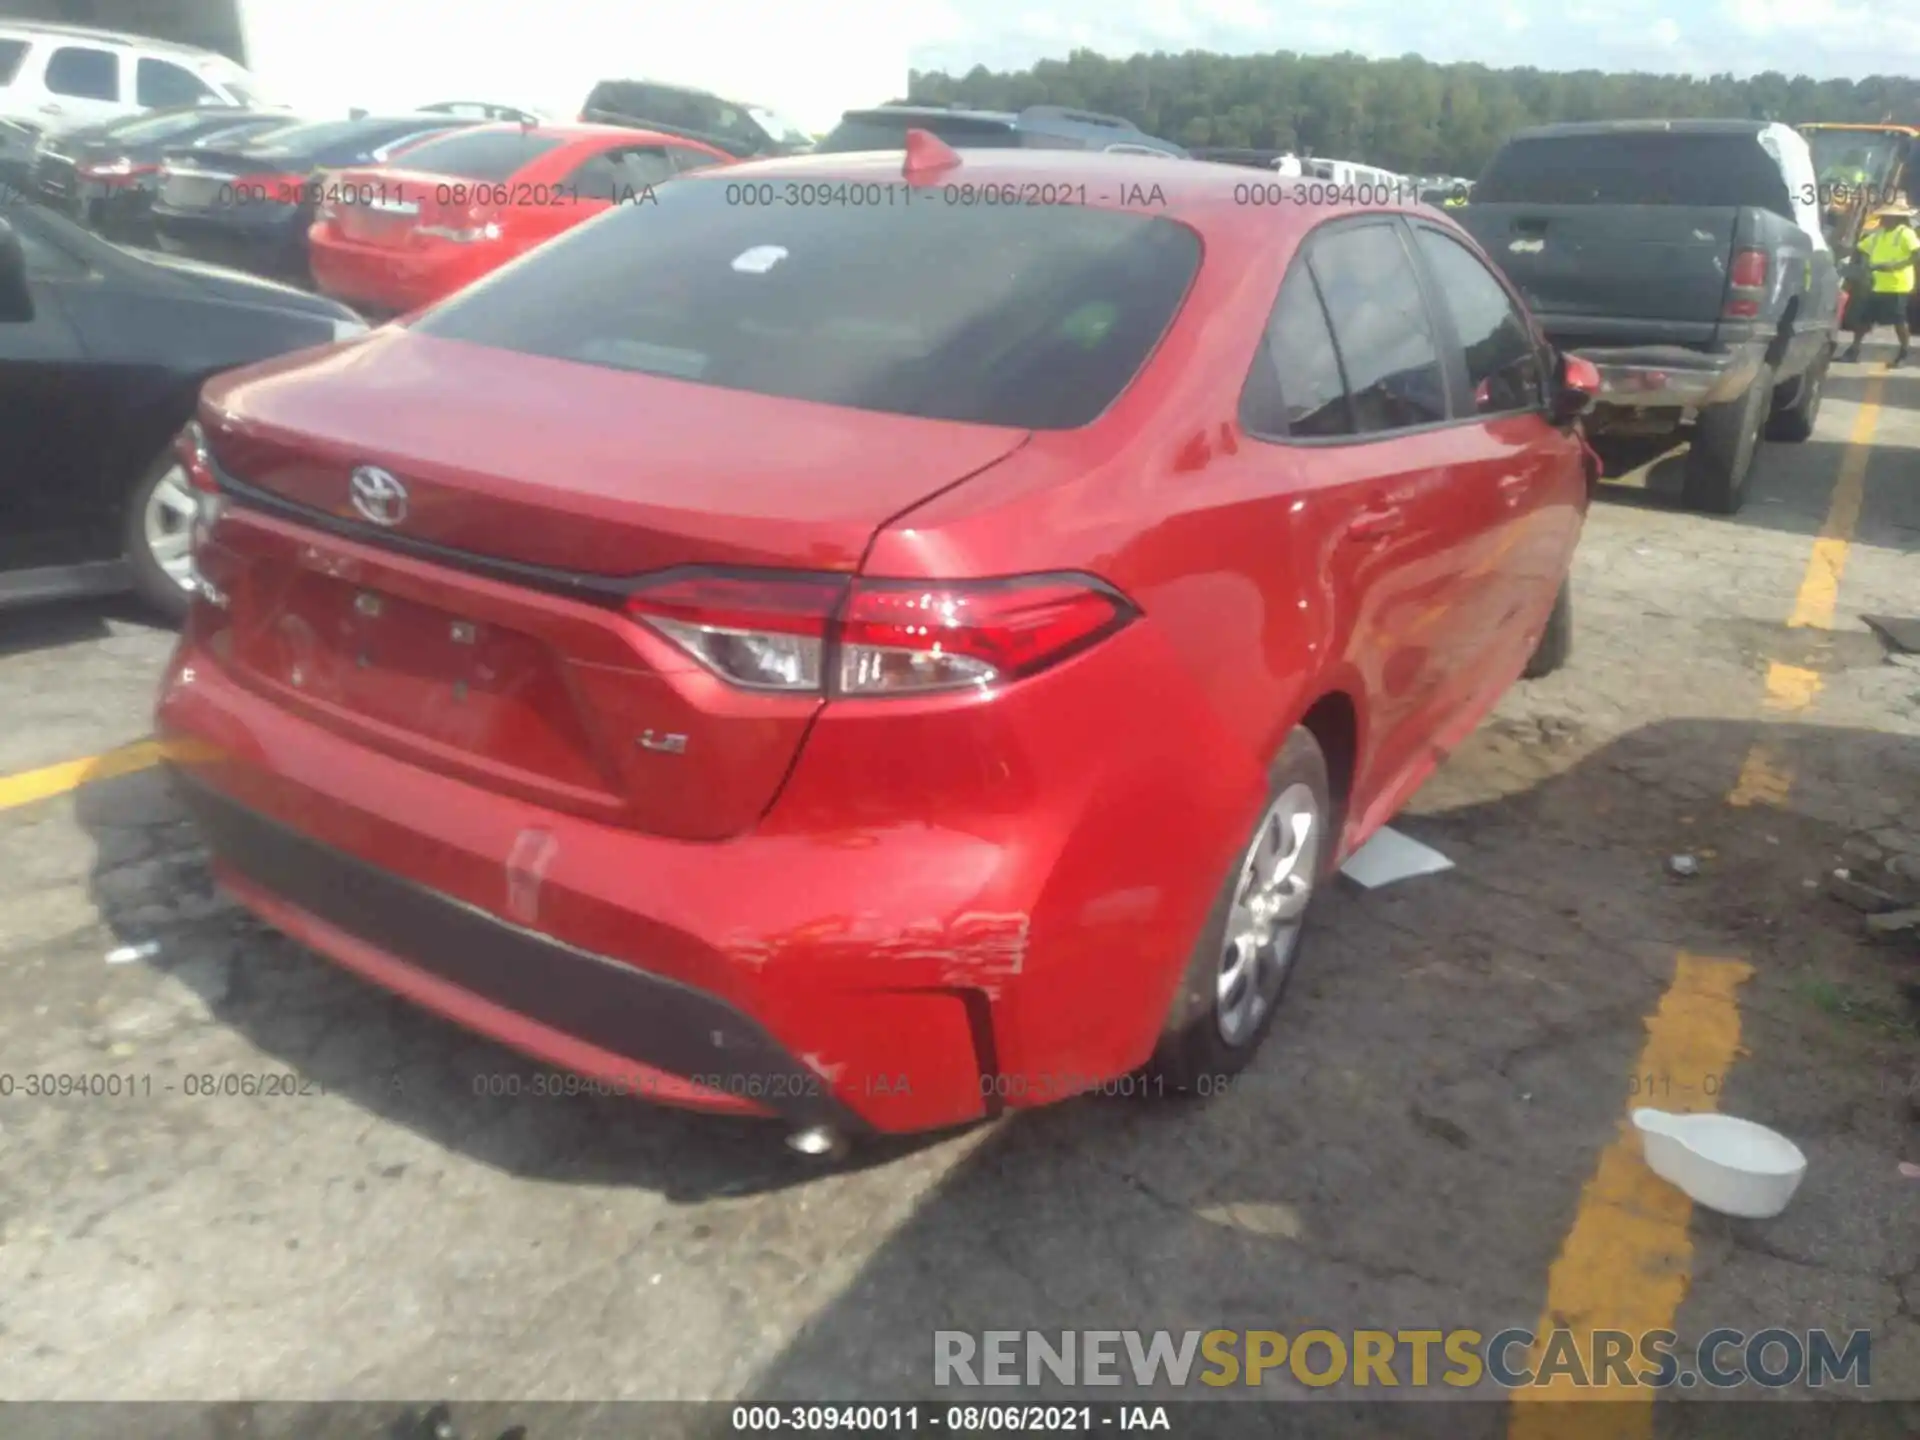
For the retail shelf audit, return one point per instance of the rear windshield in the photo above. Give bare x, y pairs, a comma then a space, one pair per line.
256, 131
339, 142
1029, 316
314, 136
1635, 168
889, 132
480, 154
162, 127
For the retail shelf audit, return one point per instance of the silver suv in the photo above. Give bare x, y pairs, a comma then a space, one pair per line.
55, 78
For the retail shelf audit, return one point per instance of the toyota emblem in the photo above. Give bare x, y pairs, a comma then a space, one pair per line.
378, 496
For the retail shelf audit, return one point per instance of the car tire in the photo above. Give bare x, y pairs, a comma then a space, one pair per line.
1794, 422
1725, 438
157, 534
1233, 982
1556, 641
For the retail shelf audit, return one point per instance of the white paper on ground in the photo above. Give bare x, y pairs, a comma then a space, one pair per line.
1391, 856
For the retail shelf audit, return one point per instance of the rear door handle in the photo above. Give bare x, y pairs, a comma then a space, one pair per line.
1376, 524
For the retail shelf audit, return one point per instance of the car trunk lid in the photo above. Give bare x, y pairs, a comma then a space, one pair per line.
480, 633
394, 209
198, 179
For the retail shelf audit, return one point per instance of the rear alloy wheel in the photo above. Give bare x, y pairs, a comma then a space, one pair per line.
159, 537
1725, 438
1794, 422
1248, 951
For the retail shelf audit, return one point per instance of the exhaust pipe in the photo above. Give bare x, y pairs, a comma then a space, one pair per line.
819, 1142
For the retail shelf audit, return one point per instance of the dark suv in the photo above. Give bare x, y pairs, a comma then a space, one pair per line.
1038, 127
742, 130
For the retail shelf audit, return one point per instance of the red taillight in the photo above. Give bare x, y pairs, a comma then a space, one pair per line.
1746, 282
479, 223
816, 634
759, 633
117, 170
191, 446
209, 504
905, 636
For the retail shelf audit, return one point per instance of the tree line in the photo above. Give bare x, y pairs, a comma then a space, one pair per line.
1408, 115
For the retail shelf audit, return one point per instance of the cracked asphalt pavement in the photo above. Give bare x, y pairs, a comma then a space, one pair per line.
1410, 1149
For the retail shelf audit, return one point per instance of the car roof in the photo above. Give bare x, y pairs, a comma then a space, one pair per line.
575, 129
1642, 127
1211, 197
56, 30
639, 80
933, 112
1092, 127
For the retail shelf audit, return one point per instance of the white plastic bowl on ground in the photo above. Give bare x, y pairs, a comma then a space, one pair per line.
1727, 1164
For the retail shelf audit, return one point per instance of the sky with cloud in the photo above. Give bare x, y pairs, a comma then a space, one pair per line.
814, 61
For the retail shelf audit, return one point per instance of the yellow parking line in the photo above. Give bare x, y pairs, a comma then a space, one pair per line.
43, 784
1820, 590
1627, 1262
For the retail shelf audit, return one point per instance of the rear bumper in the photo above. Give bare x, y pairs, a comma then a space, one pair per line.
1655, 377
395, 280
275, 249
636, 1033
944, 913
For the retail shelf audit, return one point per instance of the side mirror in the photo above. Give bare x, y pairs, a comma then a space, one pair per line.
1576, 388
16, 303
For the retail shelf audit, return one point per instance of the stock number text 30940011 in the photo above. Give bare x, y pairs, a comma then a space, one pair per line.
1278, 193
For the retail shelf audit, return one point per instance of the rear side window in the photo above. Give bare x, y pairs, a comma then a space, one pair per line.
889, 132
1296, 387
12, 52
84, 73
158, 84
621, 175
1381, 327
1036, 317
1635, 168
480, 154
1503, 364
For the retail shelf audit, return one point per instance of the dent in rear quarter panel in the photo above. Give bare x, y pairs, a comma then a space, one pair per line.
1147, 757
1096, 805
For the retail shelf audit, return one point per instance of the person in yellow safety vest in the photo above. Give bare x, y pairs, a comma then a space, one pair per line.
1888, 250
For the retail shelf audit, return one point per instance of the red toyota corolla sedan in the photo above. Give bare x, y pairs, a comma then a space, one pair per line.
449, 210
909, 646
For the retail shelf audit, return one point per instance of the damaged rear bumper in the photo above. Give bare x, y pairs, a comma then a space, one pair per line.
944, 939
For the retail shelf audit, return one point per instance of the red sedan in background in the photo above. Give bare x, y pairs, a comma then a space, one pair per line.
874, 662
394, 238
